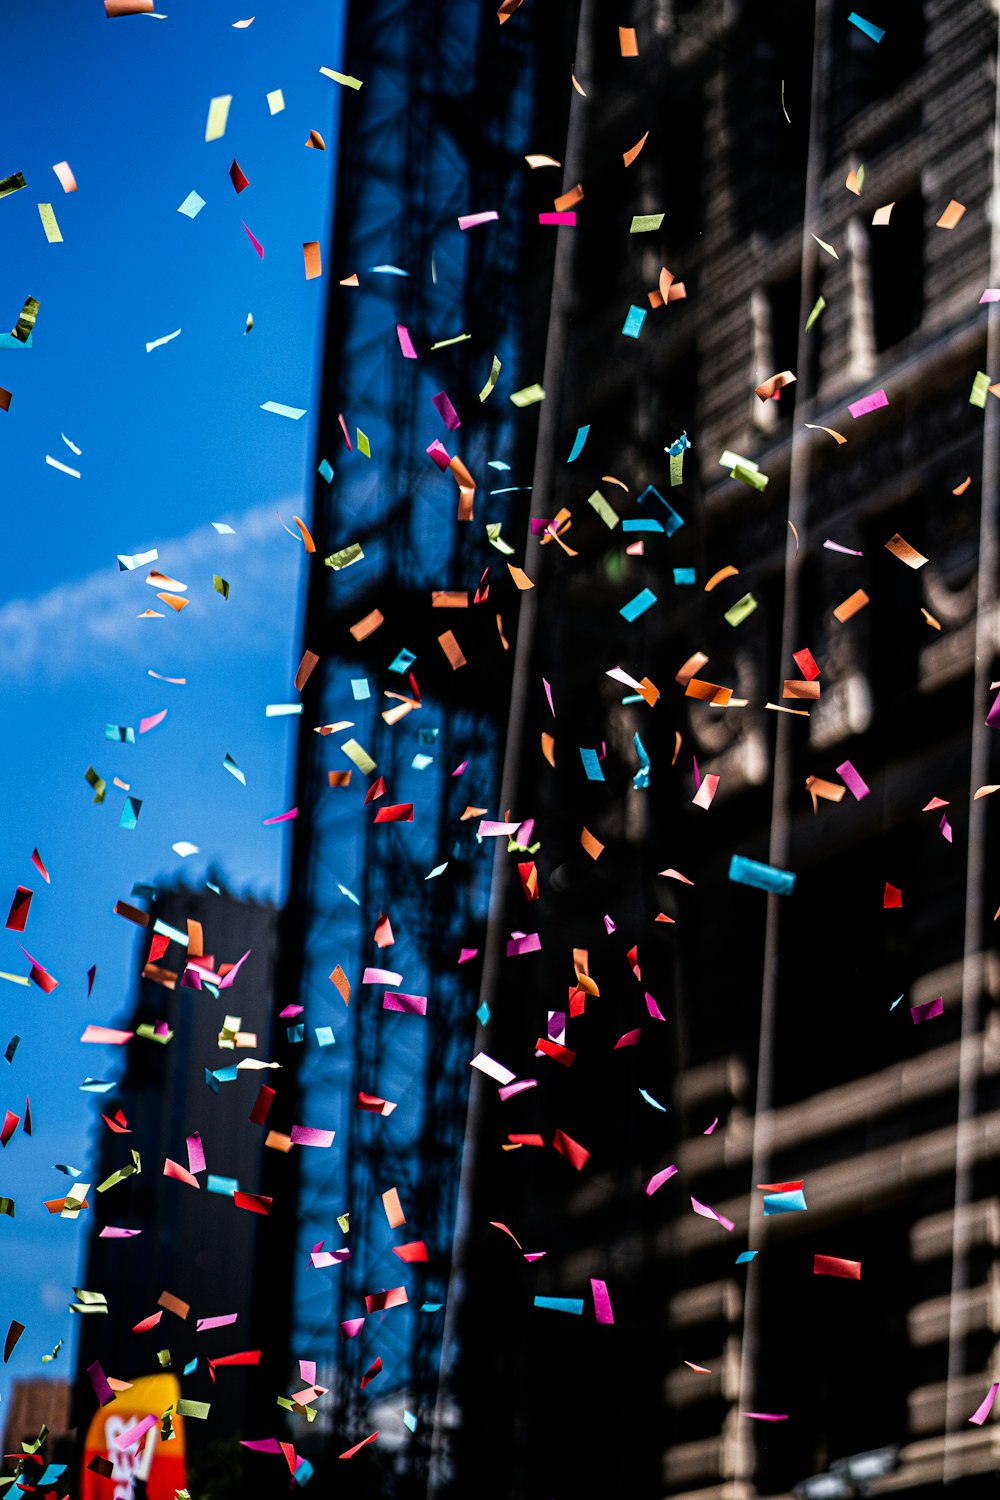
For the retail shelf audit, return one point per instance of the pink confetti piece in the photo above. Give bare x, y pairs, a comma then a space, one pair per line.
133, 1434
523, 943
927, 1011
411, 1005
511, 1090
568, 216
705, 794
307, 1371
629, 1039
308, 1135
991, 294
196, 1153
765, 1416
982, 1412
254, 241
107, 1034
470, 221
548, 694
602, 1302
854, 782
405, 342
868, 403
222, 1321
709, 1213
700, 1369
381, 976
711, 1127
944, 828
351, 1328
493, 1069
836, 547
653, 1008
110, 1232
449, 415
145, 725
439, 453
658, 1179
284, 817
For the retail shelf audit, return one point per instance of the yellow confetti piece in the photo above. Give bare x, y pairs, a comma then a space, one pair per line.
218, 117
52, 231
276, 101
344, 78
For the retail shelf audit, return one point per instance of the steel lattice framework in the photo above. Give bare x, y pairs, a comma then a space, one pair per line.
438, 129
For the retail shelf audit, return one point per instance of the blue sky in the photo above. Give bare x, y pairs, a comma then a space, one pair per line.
170, 440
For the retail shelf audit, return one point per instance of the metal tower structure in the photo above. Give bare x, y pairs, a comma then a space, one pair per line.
445, 113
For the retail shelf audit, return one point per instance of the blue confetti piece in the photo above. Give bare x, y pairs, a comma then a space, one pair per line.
578, 442
303, 1473
674, 521
644, 600
51, 1474
387, 271
868, 27
761, 877
632, 326
745, 1257
483, 1014
642, 523
431, 1306
224, 1186
296, 1033
130, 812
191, 1366
561, 1304
498, 463
592, 765
896, 1002
684, 575
403, 661
8, 341
325, 470
410, 1421
641, 778
678, 446
360, 689
324, 1035
121, 734
793, 1202
654, 1102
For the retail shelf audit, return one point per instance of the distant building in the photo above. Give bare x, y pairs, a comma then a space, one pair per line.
195, 1245
32, 1405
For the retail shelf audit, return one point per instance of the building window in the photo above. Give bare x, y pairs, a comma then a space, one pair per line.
896, 260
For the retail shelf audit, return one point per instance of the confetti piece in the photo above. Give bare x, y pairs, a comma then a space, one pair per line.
824, 246
166, 339
275, 101
52, 231
875, 32
342, 78
645, 223
763, 877
294, 412
851, 605
951, 216
868, 403
986, 1405
882, 215
218, 114
254, 242
629, 156
63, 468
192, 205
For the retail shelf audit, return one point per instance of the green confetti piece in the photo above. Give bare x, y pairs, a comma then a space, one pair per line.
817, 309
7, 1207
220, 585
645, 223
496, 540
197, 1409
344, 78
491, 380
363, 444
752, 477
163, 1356
12, 184
529, 395
980, 389
606, 512
99, 784
676, 469
345, 557
741, 610
459, 338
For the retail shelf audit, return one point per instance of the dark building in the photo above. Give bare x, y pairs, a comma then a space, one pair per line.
779, 1044
668, 1015
195, 1244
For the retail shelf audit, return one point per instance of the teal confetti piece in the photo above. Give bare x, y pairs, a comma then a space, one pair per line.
404, 661
592, 765
224, 1186
762, 877
745, 1257
234, 770
674, 522
578, 442
130, 813
483, 1014
325, 471
634, 320
868, 27
644, 600
641, 778
642, 523
684, 576
360, 689
793, 1202
324, 1036
561, 1304
410, 1421
120, 734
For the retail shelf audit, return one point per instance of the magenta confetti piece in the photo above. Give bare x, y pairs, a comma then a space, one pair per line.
602, 1302
658, 1179
854, 782
982, 1411
868, 403
449, 415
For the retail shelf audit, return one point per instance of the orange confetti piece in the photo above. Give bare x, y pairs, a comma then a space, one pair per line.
727, 572
366, 627
627, 41
851, 605
952, 215
313, 259
452, 650
593, 846
629, 156
549, 748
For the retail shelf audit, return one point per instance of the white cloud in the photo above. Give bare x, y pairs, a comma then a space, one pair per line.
93, 623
